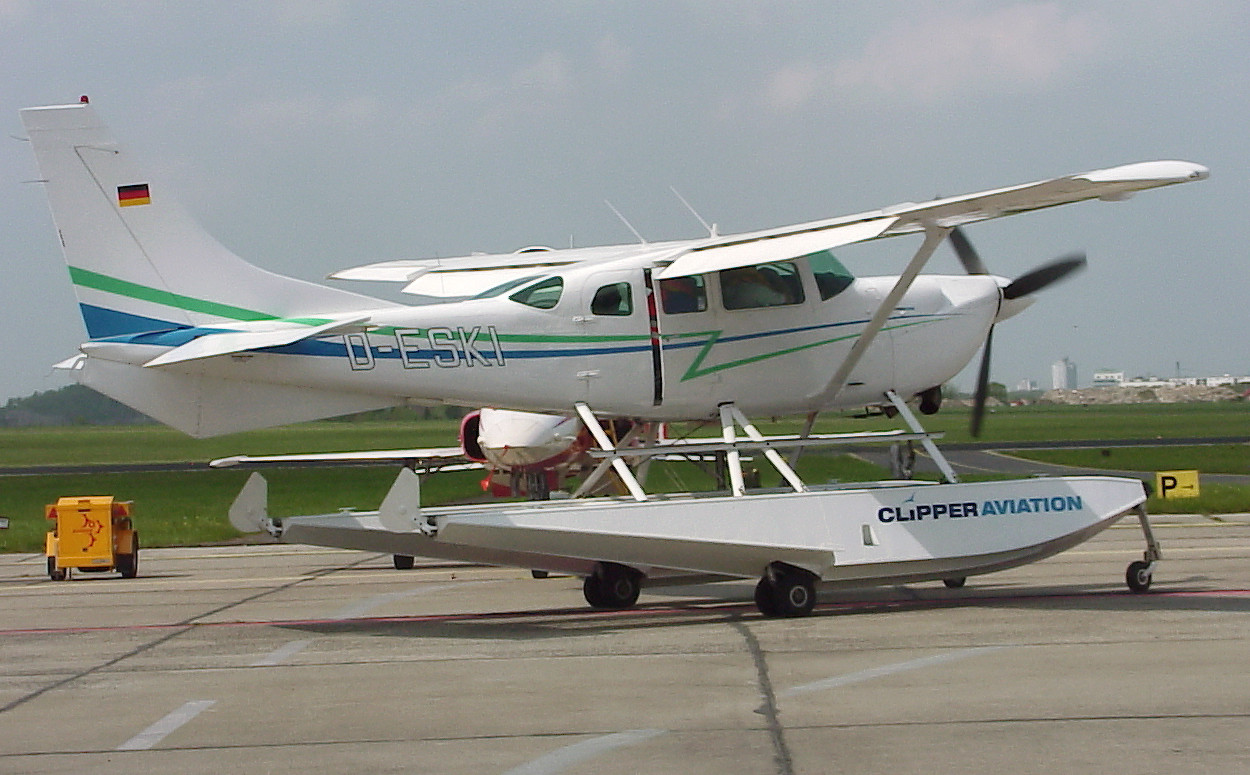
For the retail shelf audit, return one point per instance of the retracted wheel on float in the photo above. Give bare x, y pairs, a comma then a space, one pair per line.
955, 582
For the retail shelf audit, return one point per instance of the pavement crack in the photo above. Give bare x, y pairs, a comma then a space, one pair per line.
179, 628
781, 750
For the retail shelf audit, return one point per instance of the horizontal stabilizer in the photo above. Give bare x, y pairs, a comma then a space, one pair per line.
229, 342
427, 457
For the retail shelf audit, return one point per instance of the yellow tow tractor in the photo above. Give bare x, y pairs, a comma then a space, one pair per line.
92, 533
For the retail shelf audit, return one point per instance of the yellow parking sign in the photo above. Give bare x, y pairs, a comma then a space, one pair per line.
1177, 484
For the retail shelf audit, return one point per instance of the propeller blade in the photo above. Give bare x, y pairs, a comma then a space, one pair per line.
983, 387
1047, 274
967, 254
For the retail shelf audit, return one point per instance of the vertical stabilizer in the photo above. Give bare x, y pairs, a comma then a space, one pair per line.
138, 262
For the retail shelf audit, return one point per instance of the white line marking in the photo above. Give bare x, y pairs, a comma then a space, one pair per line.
880, 672
362, 607
282, 653
157, 732
563, 758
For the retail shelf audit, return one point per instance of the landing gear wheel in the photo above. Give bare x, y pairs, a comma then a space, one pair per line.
1138, 576
612, 586
787, 592
955, 582
764, 598
55, 573
539, 574
128, 564
795, 593
403, 561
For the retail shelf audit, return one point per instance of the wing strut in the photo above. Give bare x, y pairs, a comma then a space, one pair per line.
933, 236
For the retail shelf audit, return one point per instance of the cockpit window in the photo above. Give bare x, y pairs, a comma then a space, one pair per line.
763, 285
503, 288
614, 299
541, 295
831, 277
683, 294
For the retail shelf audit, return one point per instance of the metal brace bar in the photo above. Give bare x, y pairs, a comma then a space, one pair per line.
737, 487
773, 455
1153, 552
619, 465
929, 447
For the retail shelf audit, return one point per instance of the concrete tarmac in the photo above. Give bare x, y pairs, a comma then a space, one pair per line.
280, 659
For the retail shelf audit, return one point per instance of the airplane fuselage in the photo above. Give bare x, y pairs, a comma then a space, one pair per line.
615, 338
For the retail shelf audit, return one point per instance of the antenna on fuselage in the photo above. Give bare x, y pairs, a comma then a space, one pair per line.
625, 221
711, 230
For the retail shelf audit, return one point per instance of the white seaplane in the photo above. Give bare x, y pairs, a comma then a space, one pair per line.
585, 351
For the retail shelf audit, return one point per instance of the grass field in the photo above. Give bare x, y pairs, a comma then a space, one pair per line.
190, 507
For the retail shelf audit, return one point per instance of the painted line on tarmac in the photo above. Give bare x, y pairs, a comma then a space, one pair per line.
880, 672
561, 759
282, 653
161, 729
358, 609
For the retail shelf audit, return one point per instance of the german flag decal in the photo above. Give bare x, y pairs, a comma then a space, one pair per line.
133, 195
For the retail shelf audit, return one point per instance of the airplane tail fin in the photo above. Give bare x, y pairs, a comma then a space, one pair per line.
138, 262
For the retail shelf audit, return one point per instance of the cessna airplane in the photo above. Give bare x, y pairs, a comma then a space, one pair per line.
600, 344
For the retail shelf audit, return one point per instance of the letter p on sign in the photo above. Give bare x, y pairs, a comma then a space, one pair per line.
1177, 484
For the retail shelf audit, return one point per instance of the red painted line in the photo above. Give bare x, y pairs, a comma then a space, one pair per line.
638, 612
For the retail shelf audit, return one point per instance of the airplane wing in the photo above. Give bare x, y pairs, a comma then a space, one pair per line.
470, 275
255, 336
1112, 184
466, 275
441, 458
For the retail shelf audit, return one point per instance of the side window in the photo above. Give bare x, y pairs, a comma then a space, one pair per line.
831, 277
683, 294
542, 295
612, 299
764, 285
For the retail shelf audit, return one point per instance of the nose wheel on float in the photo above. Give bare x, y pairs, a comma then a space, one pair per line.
1140, 572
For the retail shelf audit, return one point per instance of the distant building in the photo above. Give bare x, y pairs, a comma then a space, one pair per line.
1027, 386
1108, 378
1063, 375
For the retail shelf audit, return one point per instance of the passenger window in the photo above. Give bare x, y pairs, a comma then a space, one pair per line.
612, 299
683, 294
542, 295
763, 285
831, 277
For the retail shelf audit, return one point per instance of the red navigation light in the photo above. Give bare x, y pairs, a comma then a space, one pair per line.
83, 99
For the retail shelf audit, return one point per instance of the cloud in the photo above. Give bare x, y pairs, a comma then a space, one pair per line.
13, 12
309, 13
278, 117
948, 51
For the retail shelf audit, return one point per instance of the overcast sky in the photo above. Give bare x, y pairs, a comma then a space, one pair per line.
310, 135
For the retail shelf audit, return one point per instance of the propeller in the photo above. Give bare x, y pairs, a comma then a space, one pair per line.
1026, 284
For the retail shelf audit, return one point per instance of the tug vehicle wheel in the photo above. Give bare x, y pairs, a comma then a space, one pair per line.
55, 573
955, 582
128, 564
403, 561
612, 586
1138, 576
